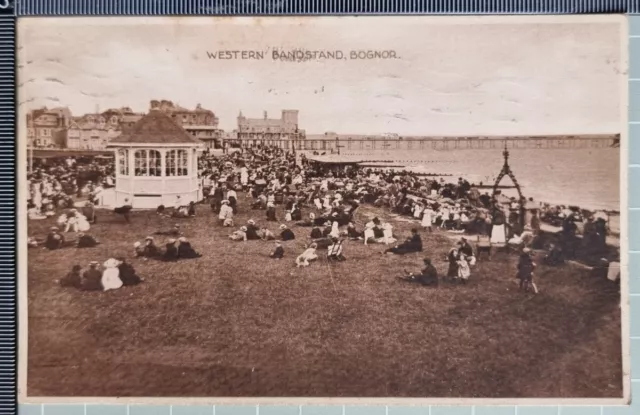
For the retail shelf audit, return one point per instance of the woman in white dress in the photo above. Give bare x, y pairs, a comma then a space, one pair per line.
111, 275
388, 238
427, 218
417, 210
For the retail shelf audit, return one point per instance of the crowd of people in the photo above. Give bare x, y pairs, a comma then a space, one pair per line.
278, 185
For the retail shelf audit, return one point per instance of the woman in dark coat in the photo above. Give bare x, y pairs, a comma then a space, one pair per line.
252, 231
128, 273
452, 257
286, 234
171, 251
186, 251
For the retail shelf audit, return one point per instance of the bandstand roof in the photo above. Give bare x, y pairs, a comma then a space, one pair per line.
155, 128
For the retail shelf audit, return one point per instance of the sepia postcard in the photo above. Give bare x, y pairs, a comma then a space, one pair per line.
402, 209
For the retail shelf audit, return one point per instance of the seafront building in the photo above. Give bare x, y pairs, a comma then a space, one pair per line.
95, 131
269, 131
201, 123
47, 128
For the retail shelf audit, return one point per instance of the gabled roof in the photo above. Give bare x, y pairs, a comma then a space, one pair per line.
155, 128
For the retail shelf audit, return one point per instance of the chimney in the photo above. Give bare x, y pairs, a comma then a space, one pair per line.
265, 115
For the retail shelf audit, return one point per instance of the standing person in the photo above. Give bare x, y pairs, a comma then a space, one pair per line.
464, 272
232, 197
226, 214
526, 267
216, 198
427, 218
452, 258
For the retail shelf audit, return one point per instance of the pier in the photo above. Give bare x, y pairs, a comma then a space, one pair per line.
348, 144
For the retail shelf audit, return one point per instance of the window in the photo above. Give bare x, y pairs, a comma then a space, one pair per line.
155, 163
176, 164
148, 163
114, 119
123, 162
140, 162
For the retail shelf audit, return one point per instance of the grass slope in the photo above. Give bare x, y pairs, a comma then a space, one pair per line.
236, 323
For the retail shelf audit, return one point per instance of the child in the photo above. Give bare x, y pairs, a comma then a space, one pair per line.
277, 253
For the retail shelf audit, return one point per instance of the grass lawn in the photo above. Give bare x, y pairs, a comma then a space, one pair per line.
236, 323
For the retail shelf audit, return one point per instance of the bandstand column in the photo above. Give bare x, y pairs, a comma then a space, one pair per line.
163, 162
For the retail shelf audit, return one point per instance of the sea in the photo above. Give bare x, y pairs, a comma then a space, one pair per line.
588, 178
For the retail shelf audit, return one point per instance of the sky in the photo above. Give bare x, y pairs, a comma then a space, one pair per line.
451, 76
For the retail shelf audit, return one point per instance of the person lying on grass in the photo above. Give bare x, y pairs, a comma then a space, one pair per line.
175, 231
278, 252
86, 241
427, 277
308, 255
412, 244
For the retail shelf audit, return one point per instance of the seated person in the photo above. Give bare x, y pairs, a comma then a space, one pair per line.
128, 273
286, 234
278, 252
252, 230
555, 257
171, 251
428, 275
86, 241
32, 243
316, 233
239, 235
191, 209
92, 278
73, 278
327, 229
412, 244
150, 250
54, 240
185, 250
266, 235
89, 211
352, 233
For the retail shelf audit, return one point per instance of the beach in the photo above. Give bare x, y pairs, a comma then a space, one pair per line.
578, 177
